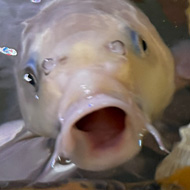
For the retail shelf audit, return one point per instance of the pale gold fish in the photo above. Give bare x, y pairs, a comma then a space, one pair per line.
109, 75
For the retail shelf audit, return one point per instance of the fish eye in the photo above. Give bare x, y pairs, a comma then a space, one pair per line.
30, 78
30, 72
138, 43
143, 44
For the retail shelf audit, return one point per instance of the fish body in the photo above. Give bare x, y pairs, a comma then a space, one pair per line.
91, 76
102, 61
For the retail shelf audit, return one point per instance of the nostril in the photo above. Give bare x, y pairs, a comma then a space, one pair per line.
117, 47
48, 64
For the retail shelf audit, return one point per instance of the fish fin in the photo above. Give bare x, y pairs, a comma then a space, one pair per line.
12, 132
182, 64
58, 172
55, 171
16, 142
9, 131
157, 137
23, 160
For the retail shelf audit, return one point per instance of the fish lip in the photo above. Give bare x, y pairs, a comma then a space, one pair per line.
86, 106
98, 103
75, 112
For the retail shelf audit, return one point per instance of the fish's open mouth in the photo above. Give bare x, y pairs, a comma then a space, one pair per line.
102, 135
103, 127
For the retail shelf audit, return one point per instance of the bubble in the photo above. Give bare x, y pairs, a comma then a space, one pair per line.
61, 119
140, 139
90, 105
89, 97
63, 161
8, 51
35, 1
87, 91
140, 142
37, 97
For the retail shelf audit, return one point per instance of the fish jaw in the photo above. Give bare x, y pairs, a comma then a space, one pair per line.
102, 144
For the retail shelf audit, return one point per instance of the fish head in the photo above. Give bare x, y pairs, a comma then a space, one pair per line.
92, 77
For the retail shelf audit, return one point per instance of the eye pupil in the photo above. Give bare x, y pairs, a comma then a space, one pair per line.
144, 45
28, 77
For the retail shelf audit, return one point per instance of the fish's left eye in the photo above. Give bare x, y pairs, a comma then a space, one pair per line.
139, 44
143, 44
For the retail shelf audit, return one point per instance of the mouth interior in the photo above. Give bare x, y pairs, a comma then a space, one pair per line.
104, 126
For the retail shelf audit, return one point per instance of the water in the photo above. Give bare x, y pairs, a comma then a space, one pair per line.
12, 13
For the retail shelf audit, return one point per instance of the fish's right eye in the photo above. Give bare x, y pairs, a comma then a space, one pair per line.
30, 78
30, 73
